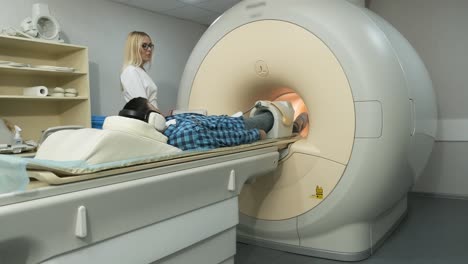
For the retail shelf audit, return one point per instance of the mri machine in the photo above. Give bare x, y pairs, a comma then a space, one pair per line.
335, 193
340, 190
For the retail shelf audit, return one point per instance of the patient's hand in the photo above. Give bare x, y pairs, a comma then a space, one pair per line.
263, 134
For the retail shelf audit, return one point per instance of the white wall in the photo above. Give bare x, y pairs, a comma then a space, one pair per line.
438, 31
102, 26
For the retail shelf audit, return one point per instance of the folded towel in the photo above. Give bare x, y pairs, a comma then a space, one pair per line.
13, 175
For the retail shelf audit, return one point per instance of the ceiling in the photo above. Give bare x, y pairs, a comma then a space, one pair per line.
200, 11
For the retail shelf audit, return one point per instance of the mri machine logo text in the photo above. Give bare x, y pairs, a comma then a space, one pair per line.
261, 68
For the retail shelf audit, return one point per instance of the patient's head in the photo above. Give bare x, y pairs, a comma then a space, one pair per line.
141, 105
138, 104
139, 108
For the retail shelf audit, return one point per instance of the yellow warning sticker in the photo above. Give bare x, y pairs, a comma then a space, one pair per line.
318, 193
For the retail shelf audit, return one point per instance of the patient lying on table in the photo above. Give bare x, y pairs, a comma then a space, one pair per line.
140, 132
191, 131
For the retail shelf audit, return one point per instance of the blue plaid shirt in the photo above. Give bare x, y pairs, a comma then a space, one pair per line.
199, 132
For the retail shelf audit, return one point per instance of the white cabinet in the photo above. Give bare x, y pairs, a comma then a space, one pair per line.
34, 113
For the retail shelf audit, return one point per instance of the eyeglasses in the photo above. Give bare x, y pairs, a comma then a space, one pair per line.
146, 46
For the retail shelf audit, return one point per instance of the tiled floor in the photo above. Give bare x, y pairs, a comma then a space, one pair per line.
434, 232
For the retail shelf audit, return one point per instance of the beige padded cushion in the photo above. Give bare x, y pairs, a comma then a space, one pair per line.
133, 126
121, 139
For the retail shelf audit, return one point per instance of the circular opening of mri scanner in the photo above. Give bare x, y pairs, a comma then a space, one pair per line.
311, 78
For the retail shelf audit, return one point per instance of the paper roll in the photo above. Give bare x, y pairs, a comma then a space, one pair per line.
36, 91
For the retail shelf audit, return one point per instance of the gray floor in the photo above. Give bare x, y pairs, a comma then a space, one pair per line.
435, 231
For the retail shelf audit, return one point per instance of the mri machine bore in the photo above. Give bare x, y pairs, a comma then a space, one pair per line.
340, 190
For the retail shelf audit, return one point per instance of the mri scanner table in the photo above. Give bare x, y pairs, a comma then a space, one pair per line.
181, 210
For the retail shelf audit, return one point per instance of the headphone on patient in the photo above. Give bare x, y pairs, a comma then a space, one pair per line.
153, 118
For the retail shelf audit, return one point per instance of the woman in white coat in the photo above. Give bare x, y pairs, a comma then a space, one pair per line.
134, 79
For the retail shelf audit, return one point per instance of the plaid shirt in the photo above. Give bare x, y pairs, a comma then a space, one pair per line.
199, 132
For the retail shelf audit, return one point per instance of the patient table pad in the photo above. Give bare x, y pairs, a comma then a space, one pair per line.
62, 172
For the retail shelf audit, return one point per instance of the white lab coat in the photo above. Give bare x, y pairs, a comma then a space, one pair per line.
137, 83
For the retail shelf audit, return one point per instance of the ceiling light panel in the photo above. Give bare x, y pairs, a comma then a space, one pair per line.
156, 5
190, 12
194, 2
217, 5
205, 20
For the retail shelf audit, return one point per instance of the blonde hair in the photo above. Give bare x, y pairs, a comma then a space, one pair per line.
133, 44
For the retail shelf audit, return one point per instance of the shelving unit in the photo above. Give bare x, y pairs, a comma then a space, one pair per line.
35, 114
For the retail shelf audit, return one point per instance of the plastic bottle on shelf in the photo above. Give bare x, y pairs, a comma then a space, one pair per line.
18, 139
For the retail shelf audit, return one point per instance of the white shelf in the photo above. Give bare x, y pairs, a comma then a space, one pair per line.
21, 97
37, 45
34, 114
36, 71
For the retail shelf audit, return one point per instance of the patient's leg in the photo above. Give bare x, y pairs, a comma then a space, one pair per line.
262, 120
